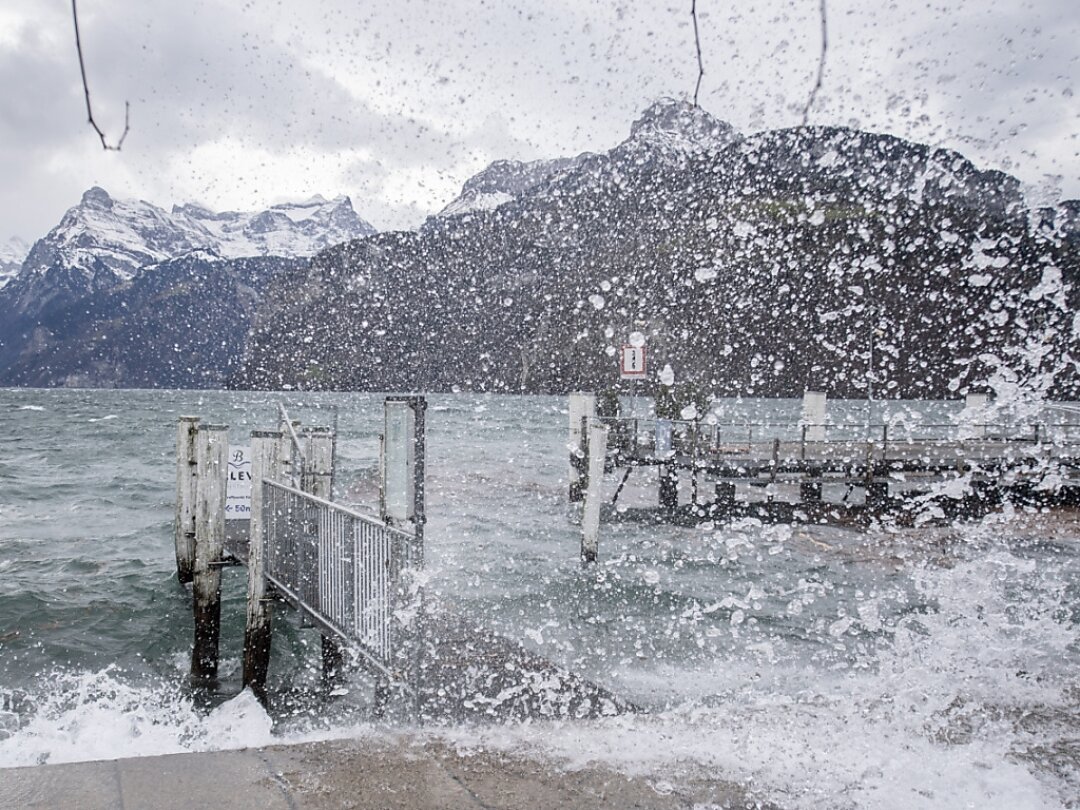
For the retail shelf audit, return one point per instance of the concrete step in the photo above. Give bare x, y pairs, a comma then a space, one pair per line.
384, 773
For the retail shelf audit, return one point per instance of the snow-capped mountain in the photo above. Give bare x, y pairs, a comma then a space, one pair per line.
755, 261
503, 181
668, 130
287, 229
675, 130
122, 236
12, 254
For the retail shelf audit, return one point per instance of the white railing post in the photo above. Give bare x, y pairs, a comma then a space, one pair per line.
594, 493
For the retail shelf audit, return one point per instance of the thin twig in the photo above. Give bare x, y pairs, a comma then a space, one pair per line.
697, 44
820, 68
86, 92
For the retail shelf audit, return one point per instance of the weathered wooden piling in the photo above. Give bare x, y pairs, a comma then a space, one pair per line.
211, 456
810, 490
186, 478
877, 496
669, 487
582, 410
725, 497
594, 492
267, 452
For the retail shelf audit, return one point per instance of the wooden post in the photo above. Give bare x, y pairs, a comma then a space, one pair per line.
211, 455
725, 497
669, 488
582, 409
975, 411
813, 416
186, 478
810, 487
318, 480
267, 447
877, 495
594, 493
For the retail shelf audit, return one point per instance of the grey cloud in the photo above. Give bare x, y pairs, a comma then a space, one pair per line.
450, 86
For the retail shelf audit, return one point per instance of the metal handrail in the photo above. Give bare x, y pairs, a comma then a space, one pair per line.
345, 510
340, 567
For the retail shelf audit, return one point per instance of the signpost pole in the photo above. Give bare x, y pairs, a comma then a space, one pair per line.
632, 367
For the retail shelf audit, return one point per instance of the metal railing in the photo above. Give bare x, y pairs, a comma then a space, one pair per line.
340, 567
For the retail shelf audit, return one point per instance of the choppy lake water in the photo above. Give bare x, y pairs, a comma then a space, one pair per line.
821, 666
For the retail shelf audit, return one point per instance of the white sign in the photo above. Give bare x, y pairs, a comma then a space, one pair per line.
632, 363
238, 487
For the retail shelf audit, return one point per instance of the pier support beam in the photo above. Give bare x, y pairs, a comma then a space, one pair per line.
186, 479
211, 455
669, 487
267, 454
594, 493
877, 496
810, 488
725, 497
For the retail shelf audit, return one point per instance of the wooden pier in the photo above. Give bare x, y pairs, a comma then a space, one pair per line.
815, 471
353, 577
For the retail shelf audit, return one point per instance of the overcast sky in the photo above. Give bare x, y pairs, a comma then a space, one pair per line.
238, 105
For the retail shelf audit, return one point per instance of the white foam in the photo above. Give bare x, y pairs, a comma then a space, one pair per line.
101, 715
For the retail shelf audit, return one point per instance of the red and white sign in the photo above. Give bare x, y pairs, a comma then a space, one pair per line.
632, 363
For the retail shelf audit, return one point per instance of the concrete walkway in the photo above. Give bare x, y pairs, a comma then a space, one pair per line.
377, 774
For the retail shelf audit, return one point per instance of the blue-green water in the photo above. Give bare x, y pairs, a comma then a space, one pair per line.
891, 668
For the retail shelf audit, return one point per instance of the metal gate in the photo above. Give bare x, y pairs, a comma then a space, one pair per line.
343, 569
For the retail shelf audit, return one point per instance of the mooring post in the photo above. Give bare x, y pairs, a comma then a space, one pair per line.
266, 463
211, 456
582, 409
318, 477
975, 411
725, 497
814, 415
810, 486
669, 487
594, 493
402, 484
186, 478
877, 495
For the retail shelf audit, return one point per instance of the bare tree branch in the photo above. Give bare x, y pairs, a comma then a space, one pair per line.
821, 66
86, 92
697, 44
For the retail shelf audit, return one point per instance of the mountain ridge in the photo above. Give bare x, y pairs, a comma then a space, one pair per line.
124, 235
757, 264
